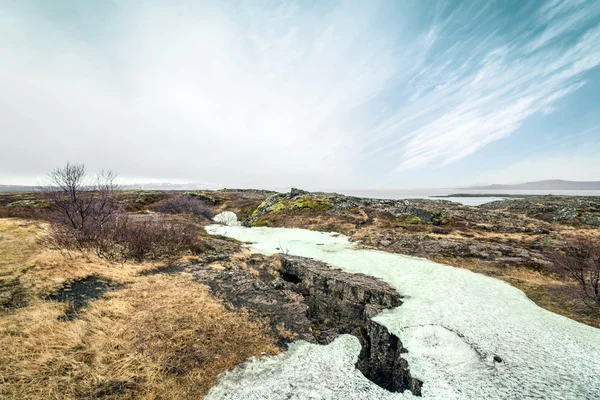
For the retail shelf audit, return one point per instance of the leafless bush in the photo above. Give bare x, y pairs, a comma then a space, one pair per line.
149, 239
127, 238
26, 213
83, 205
579, 258
88, 217
184, 205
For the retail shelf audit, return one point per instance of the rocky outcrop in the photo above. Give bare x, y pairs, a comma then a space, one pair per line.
336, 205
570, 210
342, 303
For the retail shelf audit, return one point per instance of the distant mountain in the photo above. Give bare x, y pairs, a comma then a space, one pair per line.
555, 184
17, 188
138, 186
172, 186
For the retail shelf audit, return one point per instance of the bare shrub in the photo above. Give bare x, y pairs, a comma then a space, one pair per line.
184, 205
579, 258
88, 217
148, 239
25, 213
82, 204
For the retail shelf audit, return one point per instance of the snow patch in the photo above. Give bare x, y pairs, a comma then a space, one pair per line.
305, 371
228, 218
452, 322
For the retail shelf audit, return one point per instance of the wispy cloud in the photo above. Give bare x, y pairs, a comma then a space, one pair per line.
484, 87
282, 92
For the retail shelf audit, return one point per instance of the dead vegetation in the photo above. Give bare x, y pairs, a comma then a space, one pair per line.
579, 259
185, 204
161, 336
87, 216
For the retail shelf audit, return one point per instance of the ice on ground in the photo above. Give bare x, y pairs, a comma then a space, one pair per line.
453, 323
305, 371
228, 218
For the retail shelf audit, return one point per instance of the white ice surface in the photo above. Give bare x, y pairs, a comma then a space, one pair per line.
452, 322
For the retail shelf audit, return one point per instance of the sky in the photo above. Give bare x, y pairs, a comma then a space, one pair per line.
313, 94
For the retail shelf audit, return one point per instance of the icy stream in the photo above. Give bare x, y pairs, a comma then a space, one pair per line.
453, 323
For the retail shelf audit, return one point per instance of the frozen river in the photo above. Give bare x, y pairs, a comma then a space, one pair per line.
453, 322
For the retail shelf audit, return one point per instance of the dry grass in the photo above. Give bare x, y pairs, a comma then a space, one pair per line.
18, 249
161, 337
33, 271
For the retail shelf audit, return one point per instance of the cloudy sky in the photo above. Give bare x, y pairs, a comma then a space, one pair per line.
319, 95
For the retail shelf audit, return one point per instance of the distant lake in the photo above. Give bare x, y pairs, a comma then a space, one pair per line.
470, 201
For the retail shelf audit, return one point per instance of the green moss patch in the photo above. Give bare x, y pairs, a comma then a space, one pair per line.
414, 220
310, 203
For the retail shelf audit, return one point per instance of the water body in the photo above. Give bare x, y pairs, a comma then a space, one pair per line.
455, 324
470, 201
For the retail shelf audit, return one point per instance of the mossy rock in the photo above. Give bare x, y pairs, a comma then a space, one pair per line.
268, 204
245, 212
147, 198
202, 195
310, 203
278, 207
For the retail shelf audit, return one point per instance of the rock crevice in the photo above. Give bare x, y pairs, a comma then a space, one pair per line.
343, 303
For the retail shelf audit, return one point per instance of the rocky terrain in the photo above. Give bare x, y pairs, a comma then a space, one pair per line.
289, 298
512, 240
308, 300
510, 232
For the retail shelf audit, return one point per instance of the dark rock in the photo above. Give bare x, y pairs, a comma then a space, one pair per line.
570, 210
316, 303
79, 293
297, 192
339, 303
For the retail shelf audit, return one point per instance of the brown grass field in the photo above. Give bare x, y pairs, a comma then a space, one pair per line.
160, 337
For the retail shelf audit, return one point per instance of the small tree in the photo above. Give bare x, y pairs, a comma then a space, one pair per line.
580, 259
83, 204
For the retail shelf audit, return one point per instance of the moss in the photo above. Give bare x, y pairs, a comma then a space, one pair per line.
278, 207
310, 203
202, 195
260, 207
413, 220
262, 222
266, 203
436, 218
245, 212
30, 202
316, 333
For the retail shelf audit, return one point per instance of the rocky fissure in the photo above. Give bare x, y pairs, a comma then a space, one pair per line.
307, 299
343, 303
